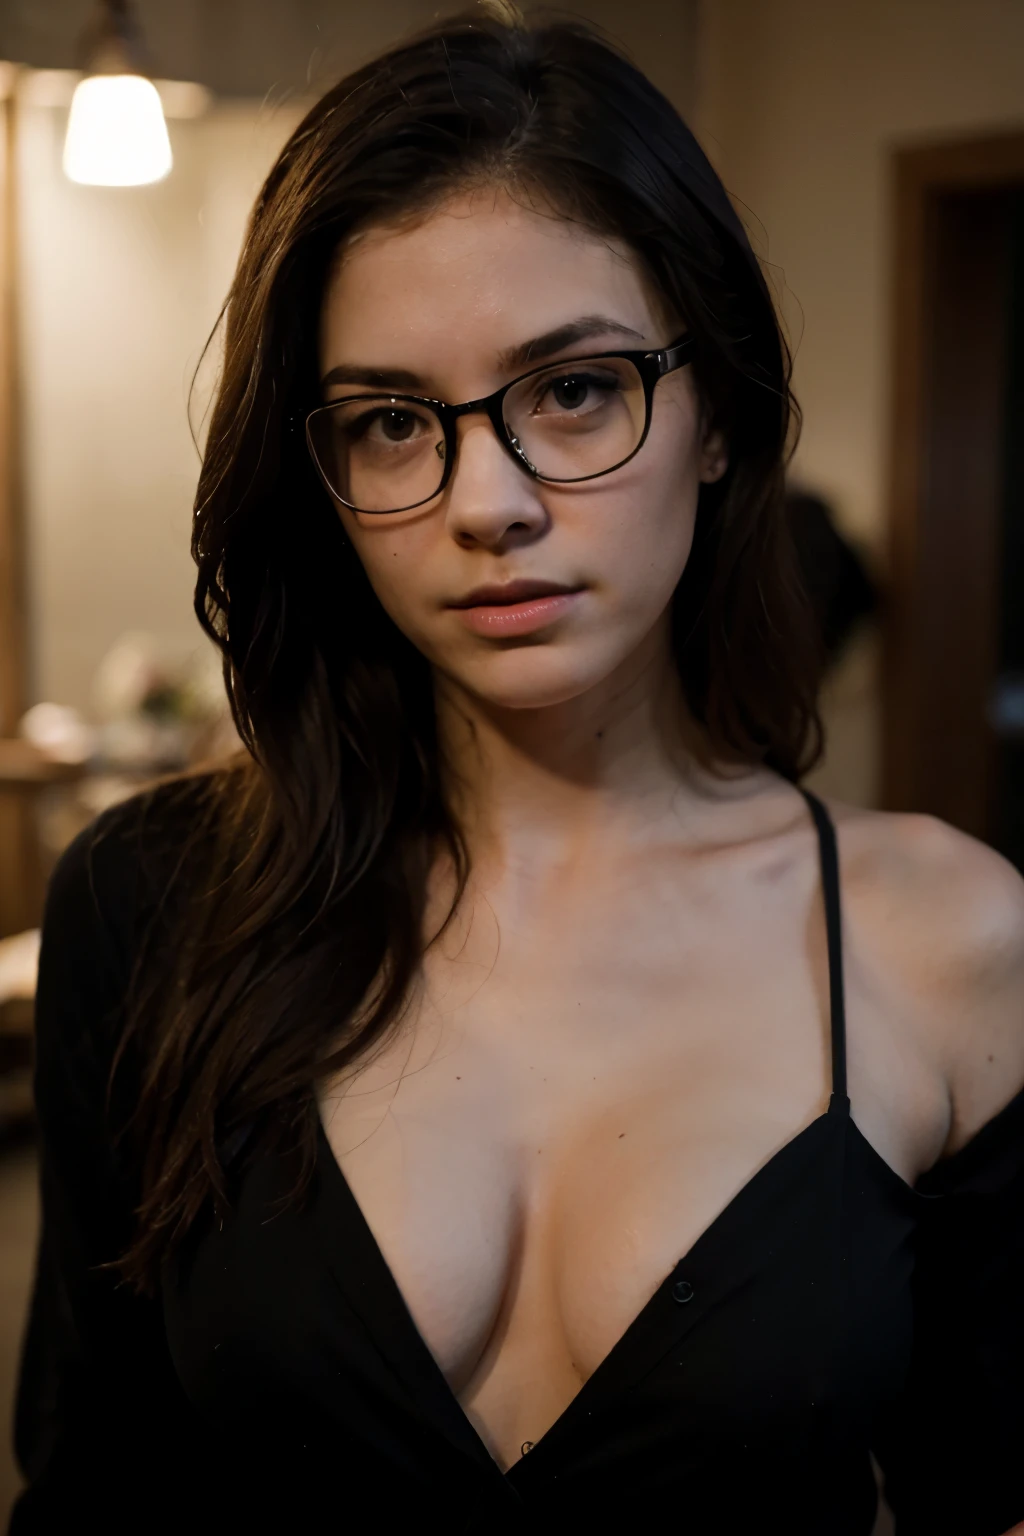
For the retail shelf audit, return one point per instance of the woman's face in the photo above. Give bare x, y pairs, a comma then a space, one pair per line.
447, 309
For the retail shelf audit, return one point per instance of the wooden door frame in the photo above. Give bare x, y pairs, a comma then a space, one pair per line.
20, 870
13, 579
922, 177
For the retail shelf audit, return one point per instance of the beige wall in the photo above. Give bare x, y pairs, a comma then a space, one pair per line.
799, 104
119, 288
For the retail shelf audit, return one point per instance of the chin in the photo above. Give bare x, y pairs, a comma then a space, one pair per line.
532, 677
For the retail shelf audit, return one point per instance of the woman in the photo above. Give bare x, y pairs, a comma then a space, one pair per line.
445, 1105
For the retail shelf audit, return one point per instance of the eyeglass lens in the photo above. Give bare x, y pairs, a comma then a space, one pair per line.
379, 454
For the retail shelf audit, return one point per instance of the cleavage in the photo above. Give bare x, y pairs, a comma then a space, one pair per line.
528, 1203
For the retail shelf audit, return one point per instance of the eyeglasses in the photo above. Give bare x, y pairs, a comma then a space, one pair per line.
563, 423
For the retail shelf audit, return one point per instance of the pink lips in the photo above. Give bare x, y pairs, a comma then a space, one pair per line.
516, 608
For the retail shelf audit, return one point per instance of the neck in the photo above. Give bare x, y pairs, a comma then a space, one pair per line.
537, 785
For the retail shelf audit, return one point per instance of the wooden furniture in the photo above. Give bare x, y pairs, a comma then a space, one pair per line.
25, 772
18, 899
16, 1025
24, 767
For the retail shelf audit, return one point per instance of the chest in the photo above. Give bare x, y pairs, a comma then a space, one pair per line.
573, 1098
578, 1091
291, 1338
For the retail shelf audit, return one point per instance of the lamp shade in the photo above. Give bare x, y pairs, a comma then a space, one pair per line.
116, 135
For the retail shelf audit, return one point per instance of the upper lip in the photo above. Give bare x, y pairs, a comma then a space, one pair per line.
504, 593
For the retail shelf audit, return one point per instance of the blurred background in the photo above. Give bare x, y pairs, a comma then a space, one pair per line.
875, 150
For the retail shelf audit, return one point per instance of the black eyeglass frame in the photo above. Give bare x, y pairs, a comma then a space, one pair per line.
651, 366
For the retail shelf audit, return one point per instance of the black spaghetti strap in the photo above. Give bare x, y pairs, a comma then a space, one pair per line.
829, 853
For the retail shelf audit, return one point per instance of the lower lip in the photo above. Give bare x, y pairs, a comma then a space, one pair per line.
517, 618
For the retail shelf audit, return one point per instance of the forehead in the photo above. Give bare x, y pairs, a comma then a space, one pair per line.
479, 268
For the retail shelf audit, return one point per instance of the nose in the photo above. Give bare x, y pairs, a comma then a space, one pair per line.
490, 501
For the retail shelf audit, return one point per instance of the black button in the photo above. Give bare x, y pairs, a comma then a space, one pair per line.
682, 1292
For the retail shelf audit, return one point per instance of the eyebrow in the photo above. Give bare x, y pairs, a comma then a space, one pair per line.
520, 356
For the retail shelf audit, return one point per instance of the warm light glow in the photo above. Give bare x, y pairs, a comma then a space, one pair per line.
117, 136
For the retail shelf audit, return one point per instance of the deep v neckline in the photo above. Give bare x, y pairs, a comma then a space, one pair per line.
655, 1328
666, 1315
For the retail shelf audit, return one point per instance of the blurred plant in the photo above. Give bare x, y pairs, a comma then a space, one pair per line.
154, 711
150, 715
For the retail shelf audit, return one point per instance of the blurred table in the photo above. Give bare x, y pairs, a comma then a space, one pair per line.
24, 767
25, 773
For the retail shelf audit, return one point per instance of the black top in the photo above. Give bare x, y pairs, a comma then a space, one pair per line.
830, 1311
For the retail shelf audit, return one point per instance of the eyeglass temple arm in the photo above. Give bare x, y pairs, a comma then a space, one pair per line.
674, 357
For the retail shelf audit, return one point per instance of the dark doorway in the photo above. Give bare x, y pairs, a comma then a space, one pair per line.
1007, 704
953, 706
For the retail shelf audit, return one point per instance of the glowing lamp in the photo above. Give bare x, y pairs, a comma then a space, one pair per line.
117, 136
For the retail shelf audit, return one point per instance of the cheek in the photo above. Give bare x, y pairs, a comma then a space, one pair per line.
396, 562
650, 531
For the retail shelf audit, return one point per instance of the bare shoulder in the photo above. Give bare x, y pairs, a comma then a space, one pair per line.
938, 918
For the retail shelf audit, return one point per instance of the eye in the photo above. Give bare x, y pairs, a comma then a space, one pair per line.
394, 426
569, 393
575, 392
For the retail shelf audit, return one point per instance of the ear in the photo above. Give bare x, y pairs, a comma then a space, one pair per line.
714, 456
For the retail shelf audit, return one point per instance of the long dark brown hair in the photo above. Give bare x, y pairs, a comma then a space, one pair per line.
302, 877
